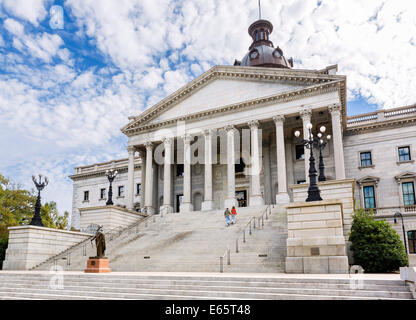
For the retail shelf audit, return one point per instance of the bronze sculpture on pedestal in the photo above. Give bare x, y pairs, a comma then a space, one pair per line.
99, 243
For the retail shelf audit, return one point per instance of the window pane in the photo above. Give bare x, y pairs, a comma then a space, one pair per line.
408, 193
369, 200
300, 152
365, 159
404, 154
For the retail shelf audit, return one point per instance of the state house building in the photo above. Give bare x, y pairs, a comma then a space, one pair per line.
247, 115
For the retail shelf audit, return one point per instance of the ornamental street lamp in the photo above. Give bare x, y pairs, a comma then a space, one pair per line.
37, 219
313, 190
321, 144
399, 215
111, 175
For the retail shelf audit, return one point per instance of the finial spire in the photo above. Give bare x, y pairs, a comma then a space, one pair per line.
259, 10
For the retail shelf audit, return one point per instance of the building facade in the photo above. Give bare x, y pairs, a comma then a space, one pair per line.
228, 138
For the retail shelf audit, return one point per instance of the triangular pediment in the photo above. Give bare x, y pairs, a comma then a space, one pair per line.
228, 86
368, 179
406, 175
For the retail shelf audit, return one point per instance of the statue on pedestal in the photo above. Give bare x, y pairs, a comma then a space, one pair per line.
99, 243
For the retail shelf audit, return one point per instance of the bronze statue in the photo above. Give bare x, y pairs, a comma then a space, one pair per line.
99, 243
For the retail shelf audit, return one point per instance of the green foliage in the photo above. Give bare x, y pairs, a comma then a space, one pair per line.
17, 208
375, 244
3, 247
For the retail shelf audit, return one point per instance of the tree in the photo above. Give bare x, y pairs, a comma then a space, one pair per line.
376, 246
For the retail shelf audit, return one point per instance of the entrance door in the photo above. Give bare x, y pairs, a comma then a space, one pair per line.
179, 200
241, 197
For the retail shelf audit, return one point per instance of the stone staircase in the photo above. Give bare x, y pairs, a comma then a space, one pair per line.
188, 242
80, 286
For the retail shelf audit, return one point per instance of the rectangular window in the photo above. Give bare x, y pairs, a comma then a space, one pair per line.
139, 189
369, 198
411, 238
102, 193
366, 159
301, 181
300, 152
404, 154
179, 170
121, 191
86, 195
408, 193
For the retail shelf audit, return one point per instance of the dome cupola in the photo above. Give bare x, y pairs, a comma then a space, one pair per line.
262, 53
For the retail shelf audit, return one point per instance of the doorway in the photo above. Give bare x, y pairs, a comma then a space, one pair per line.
179, 200
241, 197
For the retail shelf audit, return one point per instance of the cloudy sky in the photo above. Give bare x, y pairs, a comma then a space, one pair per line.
65, 93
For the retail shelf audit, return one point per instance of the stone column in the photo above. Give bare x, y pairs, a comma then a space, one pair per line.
187, 206
335, 111
208, 203
306, 115
149, 179
167, 191
255, 193
282, 196
230, 196
143, 178
130, 179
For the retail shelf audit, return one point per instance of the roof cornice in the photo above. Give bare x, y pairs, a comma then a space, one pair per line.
309, 77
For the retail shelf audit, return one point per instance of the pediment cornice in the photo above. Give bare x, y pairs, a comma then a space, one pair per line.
316, 81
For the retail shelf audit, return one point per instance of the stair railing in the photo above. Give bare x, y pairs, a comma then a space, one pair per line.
111, 235
228, 254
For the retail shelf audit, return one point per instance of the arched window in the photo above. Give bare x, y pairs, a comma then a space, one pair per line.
411, 238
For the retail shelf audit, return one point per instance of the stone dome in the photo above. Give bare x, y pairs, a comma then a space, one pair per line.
262, 53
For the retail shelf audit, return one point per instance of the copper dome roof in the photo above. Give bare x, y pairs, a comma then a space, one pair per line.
262, 53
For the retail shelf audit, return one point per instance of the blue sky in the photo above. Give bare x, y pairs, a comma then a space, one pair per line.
65, 94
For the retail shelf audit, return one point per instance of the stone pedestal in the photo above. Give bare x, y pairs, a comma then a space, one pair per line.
315, 241
165, 209
186, 207
96, 265
31, 245
282, 199
207, 205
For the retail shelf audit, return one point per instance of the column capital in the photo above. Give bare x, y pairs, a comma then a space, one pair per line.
131, 149
187, 138
336, 107
253, 124
279, 119
167, 141
148, 145
208, 132
306, 113
229, 128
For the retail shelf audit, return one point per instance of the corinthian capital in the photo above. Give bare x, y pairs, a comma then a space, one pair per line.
334, 108
167, 141
279, 119
131, 149
187, 138
229, 128
306, 113
253, 124
149, 145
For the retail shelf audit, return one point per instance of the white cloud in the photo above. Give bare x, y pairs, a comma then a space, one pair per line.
33, 10
14, 27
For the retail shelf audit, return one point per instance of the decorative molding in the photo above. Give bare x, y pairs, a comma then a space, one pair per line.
209, 132
167, 141
306, 114
279, 119
229, 128
187, 138
368, 179
253, 124
149, 145
318, 83
334, 108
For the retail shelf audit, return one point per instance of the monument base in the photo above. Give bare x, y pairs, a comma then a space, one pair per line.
97, 265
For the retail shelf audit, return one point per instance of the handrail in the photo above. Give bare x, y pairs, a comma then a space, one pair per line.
109, 234
266, 213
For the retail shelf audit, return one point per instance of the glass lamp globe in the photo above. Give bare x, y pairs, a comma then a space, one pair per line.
309, 126
323, 129
328, 137
319, 135
297, 133
321, 141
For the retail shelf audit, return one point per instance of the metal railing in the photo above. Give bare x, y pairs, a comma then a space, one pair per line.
111, 235
251, 224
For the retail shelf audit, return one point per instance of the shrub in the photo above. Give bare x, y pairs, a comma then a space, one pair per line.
3, 247
376, 246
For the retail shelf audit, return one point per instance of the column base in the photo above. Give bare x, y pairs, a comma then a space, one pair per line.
149, 210
255, 201
207, 205
186, 207
230, 202
166, 209
282, 198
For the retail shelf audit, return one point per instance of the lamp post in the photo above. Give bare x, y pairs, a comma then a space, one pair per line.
111, 175
313, 190
321, 144
37, 219
399, 215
